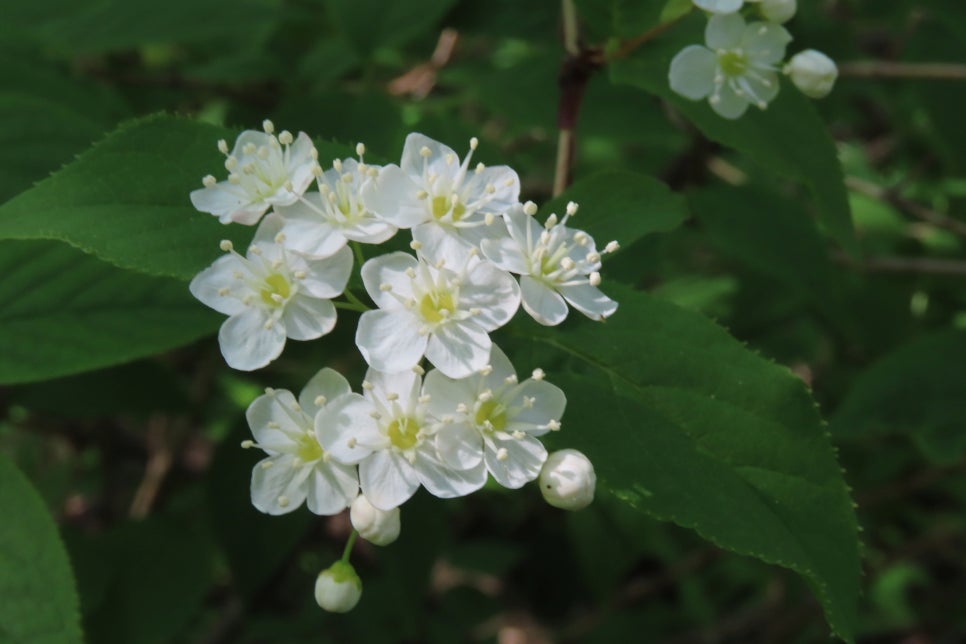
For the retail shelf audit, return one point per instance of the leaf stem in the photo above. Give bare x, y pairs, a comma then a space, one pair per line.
354, 303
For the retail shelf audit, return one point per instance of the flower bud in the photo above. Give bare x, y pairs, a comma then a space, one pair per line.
338, 588
812, 72
376, 526
567, 480
778, 11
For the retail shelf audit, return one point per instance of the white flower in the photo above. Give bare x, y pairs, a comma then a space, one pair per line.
338, 588
297, 469
443, 310
567, 480
389, 433
779, 11
719, 6
264, 171
322, 222
380, 527
556, 265
430, 190
812, 72
496, 419
270, 294
737, 67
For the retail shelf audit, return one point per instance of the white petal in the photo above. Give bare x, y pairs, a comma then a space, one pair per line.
440, 241
229, 202
300, 163
494, 292
724, 31
308, 318
309, 232
459, 446
458, 349
370, 231
523, 228
327, 277
719, 6
270, 227
412, 161
524, 458
446, 393
692, 72
589, 300
207, 284
544, 304
390, 340
331, 487
281, 480
393, 196
506, 254
506, 193
274, 421
245, 342
328, 383
389, 269
728, 104
549, 403
765, 42
346, 429
405, 384
387, 480
446, 483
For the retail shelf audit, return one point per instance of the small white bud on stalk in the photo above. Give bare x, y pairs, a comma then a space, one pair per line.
379, 527
338, 588
812, 72
778, 11
567, 480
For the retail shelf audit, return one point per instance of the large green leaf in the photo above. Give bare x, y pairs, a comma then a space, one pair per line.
371, 24
687, 425
918, 390
38, 601
789, 137
63, 312
621, 205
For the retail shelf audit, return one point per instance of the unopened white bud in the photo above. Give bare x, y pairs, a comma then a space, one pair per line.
778, 11
812, 72
567, 480
338, 588
380, 527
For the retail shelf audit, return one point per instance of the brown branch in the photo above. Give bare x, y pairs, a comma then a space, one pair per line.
887, 69
628, 46
893, 198
159, 462
913, 265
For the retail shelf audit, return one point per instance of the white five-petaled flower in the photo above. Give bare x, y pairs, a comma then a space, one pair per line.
297, 469
556, 265
389, 433
322, 222
269, 295
431, 191
737, 68
443, 310
264, 170
493, 417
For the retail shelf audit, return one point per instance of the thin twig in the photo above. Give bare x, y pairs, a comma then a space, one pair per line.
159, 462
888, 69
629, 46
913, 265
893, 198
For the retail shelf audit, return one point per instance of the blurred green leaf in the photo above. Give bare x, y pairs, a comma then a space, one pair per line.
372, 24
63, 312
918, 390
38, 601
789, 137
685, 424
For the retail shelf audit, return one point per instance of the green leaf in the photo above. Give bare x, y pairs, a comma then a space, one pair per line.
789, 137
126, 199
38, 601
918, 390
686, 425
63, 312
619, 205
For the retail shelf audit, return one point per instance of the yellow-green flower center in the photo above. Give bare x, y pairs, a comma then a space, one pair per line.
493, 412
403, 433
732, 63
308, 448
275, 284
442, 205
433, 304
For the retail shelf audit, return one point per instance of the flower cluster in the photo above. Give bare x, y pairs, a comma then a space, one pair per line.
441, 406
740, 61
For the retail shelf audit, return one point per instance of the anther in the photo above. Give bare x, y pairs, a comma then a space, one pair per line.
208, 181
486, 369
223, 146
528, 402
424, 399
283, 501
319, 400
538, 374
553, 425
263, 153
223, 291
519, 435
226, 245
489, 219
280, 238
285, 138
337, 164
572, 208
485, 395
299, 275
474, 142
594, 279
249, 149
551, 221
593, 258
566, 263
360, 148
267, 464
231, 163
352, 442
422, 194
425, 151
612, 247
385, 287
479, 168
511, 380
501, 454
391, 396
461, 408
530, 208
367, 385
410, 273
419, 371
247, 444
268, 126
415, 245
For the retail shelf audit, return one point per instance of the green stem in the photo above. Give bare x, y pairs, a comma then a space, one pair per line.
348, 545
349, 306
357, 251
355, 301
